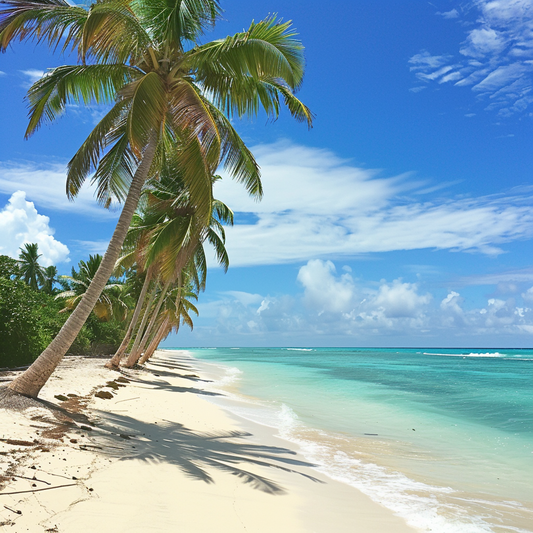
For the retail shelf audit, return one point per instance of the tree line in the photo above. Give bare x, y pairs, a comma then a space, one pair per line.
168, 131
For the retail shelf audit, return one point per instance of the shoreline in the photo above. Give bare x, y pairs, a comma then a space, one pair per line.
159, 457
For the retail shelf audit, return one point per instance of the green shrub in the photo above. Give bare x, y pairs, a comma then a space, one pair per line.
28, 322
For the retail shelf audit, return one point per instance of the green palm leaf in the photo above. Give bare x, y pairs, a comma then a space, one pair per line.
77, 84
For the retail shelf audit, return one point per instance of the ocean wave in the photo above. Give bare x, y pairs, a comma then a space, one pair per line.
423, 506
300, 349
488, 354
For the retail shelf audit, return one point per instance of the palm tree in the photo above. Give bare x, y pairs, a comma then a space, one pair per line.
110, 303
30, 269
50, 279
143, 56
169, 237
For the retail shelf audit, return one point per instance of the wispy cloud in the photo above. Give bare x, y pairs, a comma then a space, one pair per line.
452, 14
317, 205
31, 76
495, 59
44, 184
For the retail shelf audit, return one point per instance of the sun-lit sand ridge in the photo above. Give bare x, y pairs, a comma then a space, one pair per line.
157, 456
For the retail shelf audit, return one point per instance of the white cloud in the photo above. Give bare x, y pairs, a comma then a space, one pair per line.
20, 223
400, 299
497, 55
31, 75
452, 14
93, 247
323, 290
45, 185
2, 73
317, 205
528, 295
336, 306
483, 41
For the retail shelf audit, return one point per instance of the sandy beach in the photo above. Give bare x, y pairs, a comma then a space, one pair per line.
154, 455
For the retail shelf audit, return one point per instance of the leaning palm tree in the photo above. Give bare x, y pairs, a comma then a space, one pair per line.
144, 57
30, 269
170, 238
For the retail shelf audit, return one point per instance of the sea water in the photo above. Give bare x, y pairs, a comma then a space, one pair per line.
444, 438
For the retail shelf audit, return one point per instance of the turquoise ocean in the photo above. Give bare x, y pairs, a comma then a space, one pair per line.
444, 438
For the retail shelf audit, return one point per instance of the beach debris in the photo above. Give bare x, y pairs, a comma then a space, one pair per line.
15, 442
104, 395
16, 511
36, 490
61, 397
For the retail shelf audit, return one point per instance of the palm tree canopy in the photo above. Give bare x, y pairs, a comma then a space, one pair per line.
110, 304
30, 269
49, 279
143, 57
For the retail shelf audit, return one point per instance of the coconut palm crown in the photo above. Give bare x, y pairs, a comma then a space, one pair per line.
144, 58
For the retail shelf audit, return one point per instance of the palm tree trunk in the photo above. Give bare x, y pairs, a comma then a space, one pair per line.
114, 362
142, 326
162, 331
33, 380
134, 355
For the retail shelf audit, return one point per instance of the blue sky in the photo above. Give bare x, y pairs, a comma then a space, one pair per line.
403, 218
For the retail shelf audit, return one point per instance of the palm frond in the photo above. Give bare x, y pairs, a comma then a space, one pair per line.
76, 84
112, 33
147, 110
88, 155
51, 21
267, 49
114, 173
175, 21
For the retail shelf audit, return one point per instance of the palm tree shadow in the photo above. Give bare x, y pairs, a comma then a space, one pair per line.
196, 453
166, 386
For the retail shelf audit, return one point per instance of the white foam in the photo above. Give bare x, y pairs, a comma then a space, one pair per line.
416, 502
495, 354
300, 349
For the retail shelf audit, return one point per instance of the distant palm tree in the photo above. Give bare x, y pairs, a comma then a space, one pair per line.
30, 269
108, 305
50, 279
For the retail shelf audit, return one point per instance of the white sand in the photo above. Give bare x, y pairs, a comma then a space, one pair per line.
162, 458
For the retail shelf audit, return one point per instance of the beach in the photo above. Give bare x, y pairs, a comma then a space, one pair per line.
145, 450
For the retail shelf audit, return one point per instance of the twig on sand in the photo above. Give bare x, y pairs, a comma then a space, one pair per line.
36, 490
16, 511
128, 399
32, 479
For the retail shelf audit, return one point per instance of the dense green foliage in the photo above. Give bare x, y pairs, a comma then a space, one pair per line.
28, 321
30, 318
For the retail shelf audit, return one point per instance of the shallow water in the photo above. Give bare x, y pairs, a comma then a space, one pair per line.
442, 437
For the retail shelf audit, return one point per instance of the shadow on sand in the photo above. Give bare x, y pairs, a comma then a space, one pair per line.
195, 453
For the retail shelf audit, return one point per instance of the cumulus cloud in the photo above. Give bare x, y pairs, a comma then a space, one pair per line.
45, 185
317, 205
335, 305
323, 290
497, 55
20, 223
